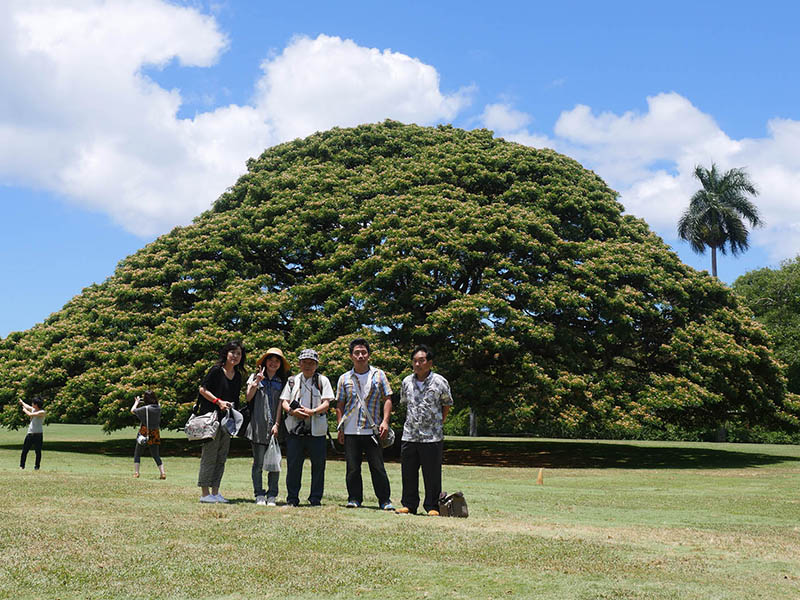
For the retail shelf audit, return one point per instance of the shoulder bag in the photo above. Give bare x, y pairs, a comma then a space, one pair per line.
142, 439
202, 427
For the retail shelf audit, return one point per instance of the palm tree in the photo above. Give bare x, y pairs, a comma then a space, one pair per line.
715, 213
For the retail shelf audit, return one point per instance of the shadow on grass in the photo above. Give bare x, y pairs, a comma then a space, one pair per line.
593, 455
491, 453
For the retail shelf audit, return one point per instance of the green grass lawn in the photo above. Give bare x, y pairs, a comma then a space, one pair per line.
614, 520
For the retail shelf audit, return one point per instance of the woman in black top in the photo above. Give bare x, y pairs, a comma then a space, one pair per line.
220, 390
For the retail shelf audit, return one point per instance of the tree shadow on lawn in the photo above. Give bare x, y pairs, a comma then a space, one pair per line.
566, 454
571, 454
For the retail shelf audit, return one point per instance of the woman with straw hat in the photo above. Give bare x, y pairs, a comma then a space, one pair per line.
263, 397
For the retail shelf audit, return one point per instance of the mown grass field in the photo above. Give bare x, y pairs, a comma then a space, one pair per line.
616, 520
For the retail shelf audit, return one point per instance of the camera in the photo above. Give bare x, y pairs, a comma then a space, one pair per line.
303, 426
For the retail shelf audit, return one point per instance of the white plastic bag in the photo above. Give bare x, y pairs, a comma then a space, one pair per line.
272, 458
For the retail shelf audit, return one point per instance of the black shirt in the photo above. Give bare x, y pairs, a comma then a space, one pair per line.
223, 388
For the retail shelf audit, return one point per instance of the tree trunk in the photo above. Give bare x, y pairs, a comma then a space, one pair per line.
714, 261
473, 423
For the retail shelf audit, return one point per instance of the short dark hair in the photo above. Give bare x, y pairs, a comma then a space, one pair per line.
37, 402
223, 353
423, 348
359, 342
149, 397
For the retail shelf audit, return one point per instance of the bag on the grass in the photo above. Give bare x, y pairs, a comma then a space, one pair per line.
453, 505
202, 427
272, 458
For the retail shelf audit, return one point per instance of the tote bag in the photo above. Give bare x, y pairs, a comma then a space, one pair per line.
202, 427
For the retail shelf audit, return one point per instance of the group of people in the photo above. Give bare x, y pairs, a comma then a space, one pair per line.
300, 403
363, 404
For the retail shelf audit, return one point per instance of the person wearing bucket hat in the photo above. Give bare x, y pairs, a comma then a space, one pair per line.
219, 391
306, 398
263, 397
363, 409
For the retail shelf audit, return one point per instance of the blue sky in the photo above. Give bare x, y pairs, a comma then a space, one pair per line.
120, 120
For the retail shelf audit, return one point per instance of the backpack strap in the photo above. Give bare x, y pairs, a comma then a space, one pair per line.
315, 381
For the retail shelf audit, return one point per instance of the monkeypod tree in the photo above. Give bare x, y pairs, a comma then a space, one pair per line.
548, 309
774, 297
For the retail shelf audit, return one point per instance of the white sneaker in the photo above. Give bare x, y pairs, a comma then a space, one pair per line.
260, 501
220, 498
210, 499
272, 502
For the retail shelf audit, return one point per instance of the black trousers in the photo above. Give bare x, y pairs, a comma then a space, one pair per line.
355, 447
427, 455
32, 440
155, 452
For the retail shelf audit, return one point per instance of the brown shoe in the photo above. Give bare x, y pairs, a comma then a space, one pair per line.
402, 511
136, 476
162, 476
433, 513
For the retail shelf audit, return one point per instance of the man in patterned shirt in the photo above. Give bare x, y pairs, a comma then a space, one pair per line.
428, 400
355, 426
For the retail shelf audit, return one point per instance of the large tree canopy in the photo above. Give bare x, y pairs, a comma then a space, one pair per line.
549, 310
774, 297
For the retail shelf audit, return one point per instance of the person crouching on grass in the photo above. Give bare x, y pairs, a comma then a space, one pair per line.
150, 416
33, 439
306, 399
220, 390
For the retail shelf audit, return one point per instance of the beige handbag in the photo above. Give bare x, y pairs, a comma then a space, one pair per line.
202, 427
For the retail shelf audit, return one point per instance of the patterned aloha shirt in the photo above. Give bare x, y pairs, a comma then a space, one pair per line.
424, 407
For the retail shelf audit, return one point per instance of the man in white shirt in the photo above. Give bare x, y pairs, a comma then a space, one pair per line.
363, 408
306, 399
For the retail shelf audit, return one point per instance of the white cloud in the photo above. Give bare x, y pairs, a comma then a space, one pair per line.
649, 158
511, 124
502, 117
79, 117
317, 84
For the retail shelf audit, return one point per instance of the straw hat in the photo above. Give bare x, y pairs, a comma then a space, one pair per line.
277, 352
